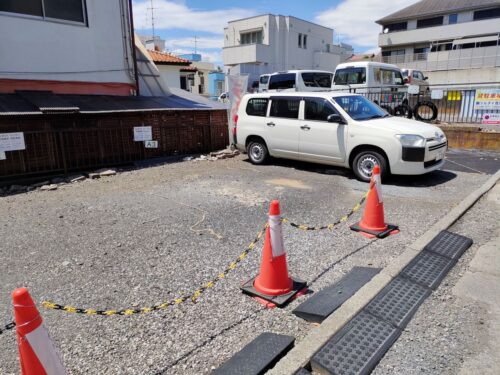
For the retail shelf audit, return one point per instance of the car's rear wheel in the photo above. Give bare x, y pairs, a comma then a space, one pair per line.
364, 162
257, 152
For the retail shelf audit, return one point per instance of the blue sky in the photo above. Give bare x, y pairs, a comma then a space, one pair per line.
179, 21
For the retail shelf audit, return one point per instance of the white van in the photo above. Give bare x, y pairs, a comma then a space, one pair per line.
336, 128
382, 83
296, 80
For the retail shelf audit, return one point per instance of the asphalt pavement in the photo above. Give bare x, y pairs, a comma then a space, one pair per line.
150, 235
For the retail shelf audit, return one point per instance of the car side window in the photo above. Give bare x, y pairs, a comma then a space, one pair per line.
286, 108
318, 109
257, 107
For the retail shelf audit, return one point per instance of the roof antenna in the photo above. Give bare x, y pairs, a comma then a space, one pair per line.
153, 21
195, 44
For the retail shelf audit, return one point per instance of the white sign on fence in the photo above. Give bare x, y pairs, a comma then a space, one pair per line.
143, 133
3, 156
12, 141
413, 89
151, 144
491, 119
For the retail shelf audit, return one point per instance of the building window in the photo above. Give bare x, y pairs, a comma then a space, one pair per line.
254, 37
396, 26
452, 19
304, 41
67, 10
487, 13
429, 22
300, 41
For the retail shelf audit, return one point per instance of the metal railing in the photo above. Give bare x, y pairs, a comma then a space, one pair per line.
453, 103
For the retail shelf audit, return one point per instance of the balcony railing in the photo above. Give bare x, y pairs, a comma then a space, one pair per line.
482, 57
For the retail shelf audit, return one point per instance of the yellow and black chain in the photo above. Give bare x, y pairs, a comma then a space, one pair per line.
7, 327
328, 226
193, 297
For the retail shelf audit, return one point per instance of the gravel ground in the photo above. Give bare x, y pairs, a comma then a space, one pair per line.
446, 330
149, 235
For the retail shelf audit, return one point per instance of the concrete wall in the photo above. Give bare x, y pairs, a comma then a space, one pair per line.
35, 49
464, 76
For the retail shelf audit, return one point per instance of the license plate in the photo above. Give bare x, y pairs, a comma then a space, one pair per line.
440, 155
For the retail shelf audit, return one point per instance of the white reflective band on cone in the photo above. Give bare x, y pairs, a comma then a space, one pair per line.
276, 236
378, 187
45, 351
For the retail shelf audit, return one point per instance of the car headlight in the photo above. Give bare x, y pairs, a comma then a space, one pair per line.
411, 140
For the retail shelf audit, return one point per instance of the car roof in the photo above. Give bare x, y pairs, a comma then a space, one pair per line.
364, 64
318, 94
299, 71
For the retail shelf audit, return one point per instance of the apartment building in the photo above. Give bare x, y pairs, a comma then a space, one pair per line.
270, 43
452, 41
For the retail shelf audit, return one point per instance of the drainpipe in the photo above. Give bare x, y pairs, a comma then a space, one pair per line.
132, 42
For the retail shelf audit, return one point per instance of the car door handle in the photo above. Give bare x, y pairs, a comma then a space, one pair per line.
305, 127
271, 124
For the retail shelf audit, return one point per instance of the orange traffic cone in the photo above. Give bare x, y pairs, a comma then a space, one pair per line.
37, 353
273, 286
372, 224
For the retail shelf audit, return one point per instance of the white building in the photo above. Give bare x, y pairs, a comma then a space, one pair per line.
169, 67
452, 41
270, 43
153, 43
72, 47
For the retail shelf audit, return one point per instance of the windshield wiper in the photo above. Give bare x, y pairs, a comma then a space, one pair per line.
377, 116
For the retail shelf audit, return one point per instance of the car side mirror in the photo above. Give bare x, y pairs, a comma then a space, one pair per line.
335, 117
406, 80
426, 78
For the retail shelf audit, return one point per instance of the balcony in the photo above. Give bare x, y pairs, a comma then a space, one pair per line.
429, 34
481, 57
247, 53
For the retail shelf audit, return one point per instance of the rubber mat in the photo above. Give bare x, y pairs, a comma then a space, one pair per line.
357, 347
323, 303
428, 269
258, 356
398, 301
448, 244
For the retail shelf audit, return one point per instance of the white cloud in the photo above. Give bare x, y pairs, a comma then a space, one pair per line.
355, 20
177, 15
201, 42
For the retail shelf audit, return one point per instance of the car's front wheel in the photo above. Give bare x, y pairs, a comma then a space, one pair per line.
364, 162
257, 152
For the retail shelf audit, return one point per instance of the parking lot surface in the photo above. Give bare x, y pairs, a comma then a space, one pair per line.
150, 235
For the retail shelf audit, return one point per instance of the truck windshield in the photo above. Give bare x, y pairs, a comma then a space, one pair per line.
350, 76
360, 108
313, 79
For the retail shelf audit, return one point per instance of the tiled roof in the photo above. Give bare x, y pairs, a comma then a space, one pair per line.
167, 59
436, 7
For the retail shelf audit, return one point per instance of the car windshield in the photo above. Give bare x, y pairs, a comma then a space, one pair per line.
360, 108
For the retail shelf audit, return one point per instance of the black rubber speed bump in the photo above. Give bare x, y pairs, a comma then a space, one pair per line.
428, 269
258, 356
398, 301
449, 245
357, 347
323, 303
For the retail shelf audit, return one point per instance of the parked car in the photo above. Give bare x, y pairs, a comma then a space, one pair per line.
223, 98
380, 82
416, 77
296, 80
336, 128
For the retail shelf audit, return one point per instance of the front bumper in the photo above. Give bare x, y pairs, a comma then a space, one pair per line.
420, 160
